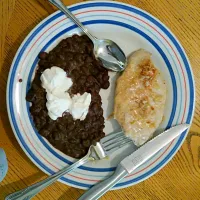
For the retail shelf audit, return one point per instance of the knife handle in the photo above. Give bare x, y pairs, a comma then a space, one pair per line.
101, 188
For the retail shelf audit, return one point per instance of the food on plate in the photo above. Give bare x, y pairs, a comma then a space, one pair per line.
64, 95
140, 97
56, 83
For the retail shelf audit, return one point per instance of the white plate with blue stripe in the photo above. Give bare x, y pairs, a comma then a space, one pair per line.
131, 28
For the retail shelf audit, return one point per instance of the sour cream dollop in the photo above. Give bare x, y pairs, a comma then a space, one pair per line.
56, 83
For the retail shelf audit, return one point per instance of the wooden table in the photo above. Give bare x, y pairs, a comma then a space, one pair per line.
180, 179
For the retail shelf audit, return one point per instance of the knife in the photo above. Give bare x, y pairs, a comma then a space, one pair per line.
133, 161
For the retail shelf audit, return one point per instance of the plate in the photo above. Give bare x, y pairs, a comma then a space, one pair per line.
131, 28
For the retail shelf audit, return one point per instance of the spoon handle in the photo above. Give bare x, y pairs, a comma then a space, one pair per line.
31, 191
59, 4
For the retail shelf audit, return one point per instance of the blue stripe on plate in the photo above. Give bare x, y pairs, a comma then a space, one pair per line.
131, 9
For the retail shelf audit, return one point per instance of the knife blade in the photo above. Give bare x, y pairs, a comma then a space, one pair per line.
133, 161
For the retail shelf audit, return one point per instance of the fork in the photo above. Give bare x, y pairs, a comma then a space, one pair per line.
106, 146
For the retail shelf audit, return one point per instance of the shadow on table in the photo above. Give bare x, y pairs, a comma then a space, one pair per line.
71, 193
21, 184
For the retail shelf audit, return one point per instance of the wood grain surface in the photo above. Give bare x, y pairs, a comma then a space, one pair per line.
180, 179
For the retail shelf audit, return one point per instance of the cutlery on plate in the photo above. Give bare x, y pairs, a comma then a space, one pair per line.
111, 55
106, 146
133, 161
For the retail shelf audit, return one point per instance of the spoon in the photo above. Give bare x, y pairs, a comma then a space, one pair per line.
111, 55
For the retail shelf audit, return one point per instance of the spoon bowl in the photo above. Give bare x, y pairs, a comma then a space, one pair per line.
111, 55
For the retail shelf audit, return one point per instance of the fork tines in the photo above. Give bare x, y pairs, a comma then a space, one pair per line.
114, 141
111, 136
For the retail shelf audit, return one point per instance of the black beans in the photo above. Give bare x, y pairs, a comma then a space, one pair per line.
57, 136
75, 74
82, 80
86, 143
105, 85
105, 77
75, 56
75, 141
44, 132
42, 63
43, 55
30, 96
84, 135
